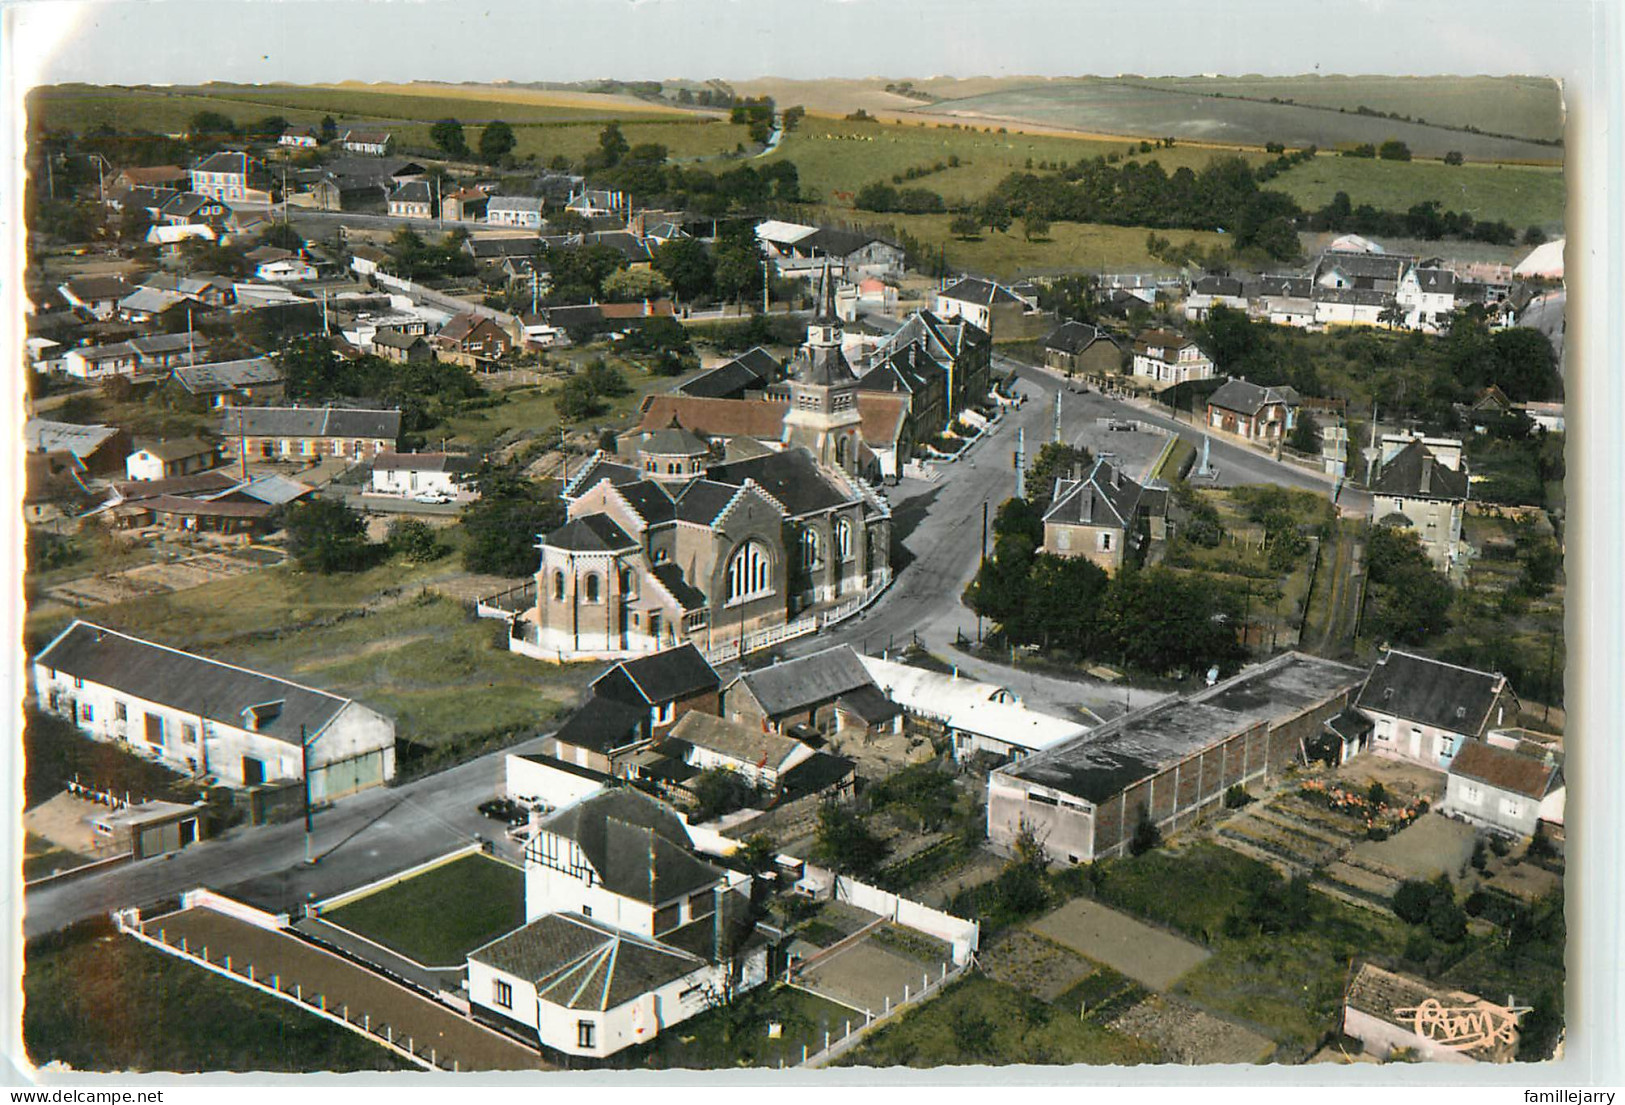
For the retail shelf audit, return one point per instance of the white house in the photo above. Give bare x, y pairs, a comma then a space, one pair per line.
168, 459
408, 474
229, 175
1427, 296
1505, 790
979, 302
761, 759
546, 782
1166, 358
1423, 486
1426, 711
520, 211
211, 719
629, 930
286, 270
374, 143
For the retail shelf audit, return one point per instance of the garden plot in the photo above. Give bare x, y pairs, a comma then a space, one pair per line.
871, 974
1035, 964
1145, 954
1286, 837
1185, 1034
435, 918
1435, 845
151, 579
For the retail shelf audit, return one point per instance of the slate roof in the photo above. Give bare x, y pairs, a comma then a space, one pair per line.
673, 440
1166, 340
43, 435
199, 484
413, 191
1359, 297
727, 381
394, 339
627, 245
1415, 473
792, 477
603, 725
591, 533
816, 773
1436, 281
688, 596
599, 467
732, 739
178, 449
1376, 266
1075, 337
637, 844
837, 242
802, 683
92, 288
973, 289
1105, 497
1217, 285
662, 677
1431, 692
530, 205
498, 248
869, 703
190, 684
222, 376
311, 422
423, 462
226, 161
1288, 287
582, 964
1249, 398
1505, 769
1100, 764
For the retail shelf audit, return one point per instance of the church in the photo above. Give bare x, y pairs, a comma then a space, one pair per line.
683, 538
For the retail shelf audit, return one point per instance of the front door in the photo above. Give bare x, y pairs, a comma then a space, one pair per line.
253, 771
1416, 744
188, 831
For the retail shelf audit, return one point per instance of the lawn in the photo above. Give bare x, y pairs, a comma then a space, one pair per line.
1134, 106
530, 410
834, 155
97, 1001
438, 917
1068, 247
979, 1022
737, 1035
1521, 195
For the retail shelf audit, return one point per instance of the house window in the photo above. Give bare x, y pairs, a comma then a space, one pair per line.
1471, 794
1063, 538
592, 587
1447, 747
120, 713
87, 712
586, 911
1511, 808
502, 993
1105, 544
586, 1034
750, 572
663, 713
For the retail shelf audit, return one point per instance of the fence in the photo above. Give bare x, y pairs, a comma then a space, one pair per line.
128, 921
337, 900
729, 650
963, 935
505, 604
834, 1045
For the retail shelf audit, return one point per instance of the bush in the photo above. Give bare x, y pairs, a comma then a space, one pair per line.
414, 540
1446, 921
1413, 900
1236, 797
1146, 834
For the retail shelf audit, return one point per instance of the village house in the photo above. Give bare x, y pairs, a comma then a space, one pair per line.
302, 138
409, 474
603, 735
1080, 349
1165, 359
1427, 296
229, 175
665, 685
279, 265
194, 209
100, 449
524, 212
1169, 763
204, 287
1424, 489
372, 143
1208, 292
53, 487
95, 296
1509, 791
412, 200
591, 203
1389, 1012
151, 355
746, 376
1103, 516
1426, 711
148, 176
983, 303
148, 306
1261, 414
947, 366
830, 692
250, 381
629, 931
1282, 300
761, 759
469, 339
401, 348
287, 433
206, 718
166, 459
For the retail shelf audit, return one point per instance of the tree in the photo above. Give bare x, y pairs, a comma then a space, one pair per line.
631, 285
1394, 150
1454, 157
504, 523
718, 791
326, 536
330, 129
687, 266
577, 400
210, 126
1056, 460
1034, 226
1146, 834
606, 379
414, 541
1408, 600
496, 141
965, 227
843, 842
447, 134
612, 146
1305, 435
1413, 901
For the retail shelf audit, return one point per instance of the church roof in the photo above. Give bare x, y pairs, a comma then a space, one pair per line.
674, 441
591, 533
792, 477
823, 365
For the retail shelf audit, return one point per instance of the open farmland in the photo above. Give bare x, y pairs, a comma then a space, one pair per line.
836, 155
1528, 107
1521, 195
1145, 109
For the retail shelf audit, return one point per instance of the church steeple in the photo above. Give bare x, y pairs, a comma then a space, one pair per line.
824, 332
823, 418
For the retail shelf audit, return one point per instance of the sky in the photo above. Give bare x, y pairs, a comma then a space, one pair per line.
324, 40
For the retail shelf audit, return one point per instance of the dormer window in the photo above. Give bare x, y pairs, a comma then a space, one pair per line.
258, 716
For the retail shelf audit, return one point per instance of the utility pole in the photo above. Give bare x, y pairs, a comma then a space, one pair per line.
766, 306
983, 565
1057, 436
304, 772
1021, 462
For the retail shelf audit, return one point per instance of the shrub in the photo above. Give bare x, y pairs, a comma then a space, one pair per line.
1413, 900
1377, 794
1236, 797
414, 540
1446, 921
1146, 834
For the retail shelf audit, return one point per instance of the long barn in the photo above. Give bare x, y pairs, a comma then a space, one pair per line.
1173, 759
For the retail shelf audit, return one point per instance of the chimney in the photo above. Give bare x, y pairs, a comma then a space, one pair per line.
1427, 473
1117, 477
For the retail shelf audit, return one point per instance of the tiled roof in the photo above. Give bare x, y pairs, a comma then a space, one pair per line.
733, 739
311, 422
1414, 472
791, 685
762, 418
1245, 397
1505, 769
1075, 337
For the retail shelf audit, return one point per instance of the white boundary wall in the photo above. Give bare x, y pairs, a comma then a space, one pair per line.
965, 936
202, 898
390, 880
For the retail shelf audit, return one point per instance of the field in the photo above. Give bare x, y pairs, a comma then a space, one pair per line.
1144, 108
1131, 947
100, 1002
1522, 195
438, 917
1529, 107
834, 155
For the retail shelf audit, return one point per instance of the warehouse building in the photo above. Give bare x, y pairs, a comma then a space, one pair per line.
1173, 759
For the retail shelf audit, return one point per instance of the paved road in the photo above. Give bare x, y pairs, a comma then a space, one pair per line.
359, 839
940, 524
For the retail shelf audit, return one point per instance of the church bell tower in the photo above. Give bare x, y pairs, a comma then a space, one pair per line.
823, 416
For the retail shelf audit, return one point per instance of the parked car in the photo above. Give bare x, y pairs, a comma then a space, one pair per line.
505, 809
432, 497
